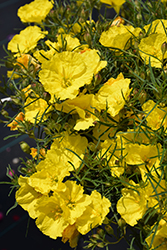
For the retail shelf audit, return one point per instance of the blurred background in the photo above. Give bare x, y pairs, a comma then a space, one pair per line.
17, 230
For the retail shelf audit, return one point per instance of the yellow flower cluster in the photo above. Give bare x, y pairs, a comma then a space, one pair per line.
59, 205
76, 88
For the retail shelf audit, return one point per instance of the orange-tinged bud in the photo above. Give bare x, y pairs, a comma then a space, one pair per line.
118, 20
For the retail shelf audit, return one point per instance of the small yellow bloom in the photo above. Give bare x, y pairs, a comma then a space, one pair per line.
64, 42
34, 152
36, 11
26, 40
14, 125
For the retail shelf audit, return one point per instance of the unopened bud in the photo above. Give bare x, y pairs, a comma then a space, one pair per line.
16, 100
90, 245
101, 245
100, 231
25, 147
121, 223
118, 20
109, 229
164, 48
92, 146
87, 38
96, 236
98, 79
141, 35
46, 96
4, 113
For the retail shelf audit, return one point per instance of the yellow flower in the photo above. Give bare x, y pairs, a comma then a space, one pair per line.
116, 4
26, 40
80, 105
117, 37
139, 151
36, 11
94, 214
156, 26
92, 59
50, 220
155, 115
65, 42
27, 196
113, 95
34, 109
48, 179
136, 199
70, 233
150, 49
143, 155
66, 72
15, 124
159, 238
60, 156
133, 204
73, 201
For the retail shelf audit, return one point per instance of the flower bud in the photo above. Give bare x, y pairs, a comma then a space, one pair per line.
46, 96
25, 147
101, 245
121, 223
16, 100
87, 38
100, 232
4, 113
164, 48
96, 236
98, 79
109, 229
118, 20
